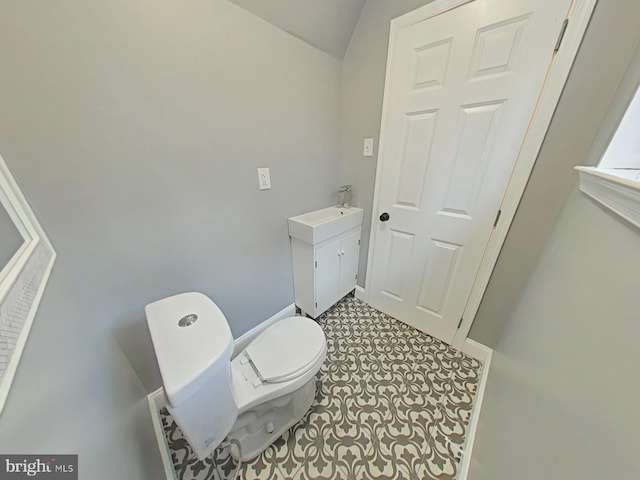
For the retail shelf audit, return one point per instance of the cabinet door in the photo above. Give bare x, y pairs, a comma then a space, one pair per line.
349, 249
327, 268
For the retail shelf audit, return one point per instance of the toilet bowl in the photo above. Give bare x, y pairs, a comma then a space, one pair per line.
251, 399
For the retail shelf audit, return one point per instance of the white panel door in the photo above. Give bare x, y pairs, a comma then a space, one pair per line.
461, 93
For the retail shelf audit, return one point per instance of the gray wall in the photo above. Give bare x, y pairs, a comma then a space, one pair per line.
363, 71
561, 401
326, 24
135, 128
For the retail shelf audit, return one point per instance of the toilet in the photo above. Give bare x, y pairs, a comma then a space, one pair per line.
252, 398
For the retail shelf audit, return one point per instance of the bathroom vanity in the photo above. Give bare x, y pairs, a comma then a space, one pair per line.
325, 246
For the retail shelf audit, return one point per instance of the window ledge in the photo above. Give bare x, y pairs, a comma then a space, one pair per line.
616, 189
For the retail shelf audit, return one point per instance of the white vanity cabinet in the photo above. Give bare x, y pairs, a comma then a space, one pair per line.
325, 272
325, 246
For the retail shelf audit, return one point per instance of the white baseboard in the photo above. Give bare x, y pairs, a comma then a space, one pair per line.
476, 350
156, 402
243, 341
360, 293
465, 461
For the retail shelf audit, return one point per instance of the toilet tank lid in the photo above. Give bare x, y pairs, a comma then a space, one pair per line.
192, 342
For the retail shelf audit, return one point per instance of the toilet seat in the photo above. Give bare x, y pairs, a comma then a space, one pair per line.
279, 361
286, 350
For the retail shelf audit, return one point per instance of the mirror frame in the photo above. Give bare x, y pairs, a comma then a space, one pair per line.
22, 280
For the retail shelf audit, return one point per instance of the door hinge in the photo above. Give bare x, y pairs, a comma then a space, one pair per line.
495, 224
316, 304
356, 276
561, 36
316, 264
358, 242
459, 323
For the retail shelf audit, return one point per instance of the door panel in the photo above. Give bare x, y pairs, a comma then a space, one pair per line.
328, 266
398, 257
349, 248
461, 93
419, 127
497, 47
430, 64
438, 276
477, 128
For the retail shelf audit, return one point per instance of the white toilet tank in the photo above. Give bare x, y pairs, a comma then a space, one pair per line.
193, 346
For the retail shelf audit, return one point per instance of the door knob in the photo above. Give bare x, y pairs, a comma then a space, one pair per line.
384, 217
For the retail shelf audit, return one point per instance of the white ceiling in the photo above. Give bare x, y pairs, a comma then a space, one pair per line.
325, 24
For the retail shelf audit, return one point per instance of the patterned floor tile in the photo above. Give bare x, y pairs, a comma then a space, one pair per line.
370, 412
423, 385
301, 445
398, 454
466, 375
261, 468
348, 450
457, 404
440, 460
328, 471
391, 403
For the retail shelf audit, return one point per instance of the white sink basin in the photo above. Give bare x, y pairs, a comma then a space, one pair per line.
320, 225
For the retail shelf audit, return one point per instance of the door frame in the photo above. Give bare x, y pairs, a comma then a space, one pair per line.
579, 14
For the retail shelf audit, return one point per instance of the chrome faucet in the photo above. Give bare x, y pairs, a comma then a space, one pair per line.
345, 196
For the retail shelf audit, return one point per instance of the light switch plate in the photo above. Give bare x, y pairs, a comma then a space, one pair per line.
264, 179
367, 149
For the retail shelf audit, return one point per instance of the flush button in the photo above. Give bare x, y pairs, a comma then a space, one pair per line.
188, 320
